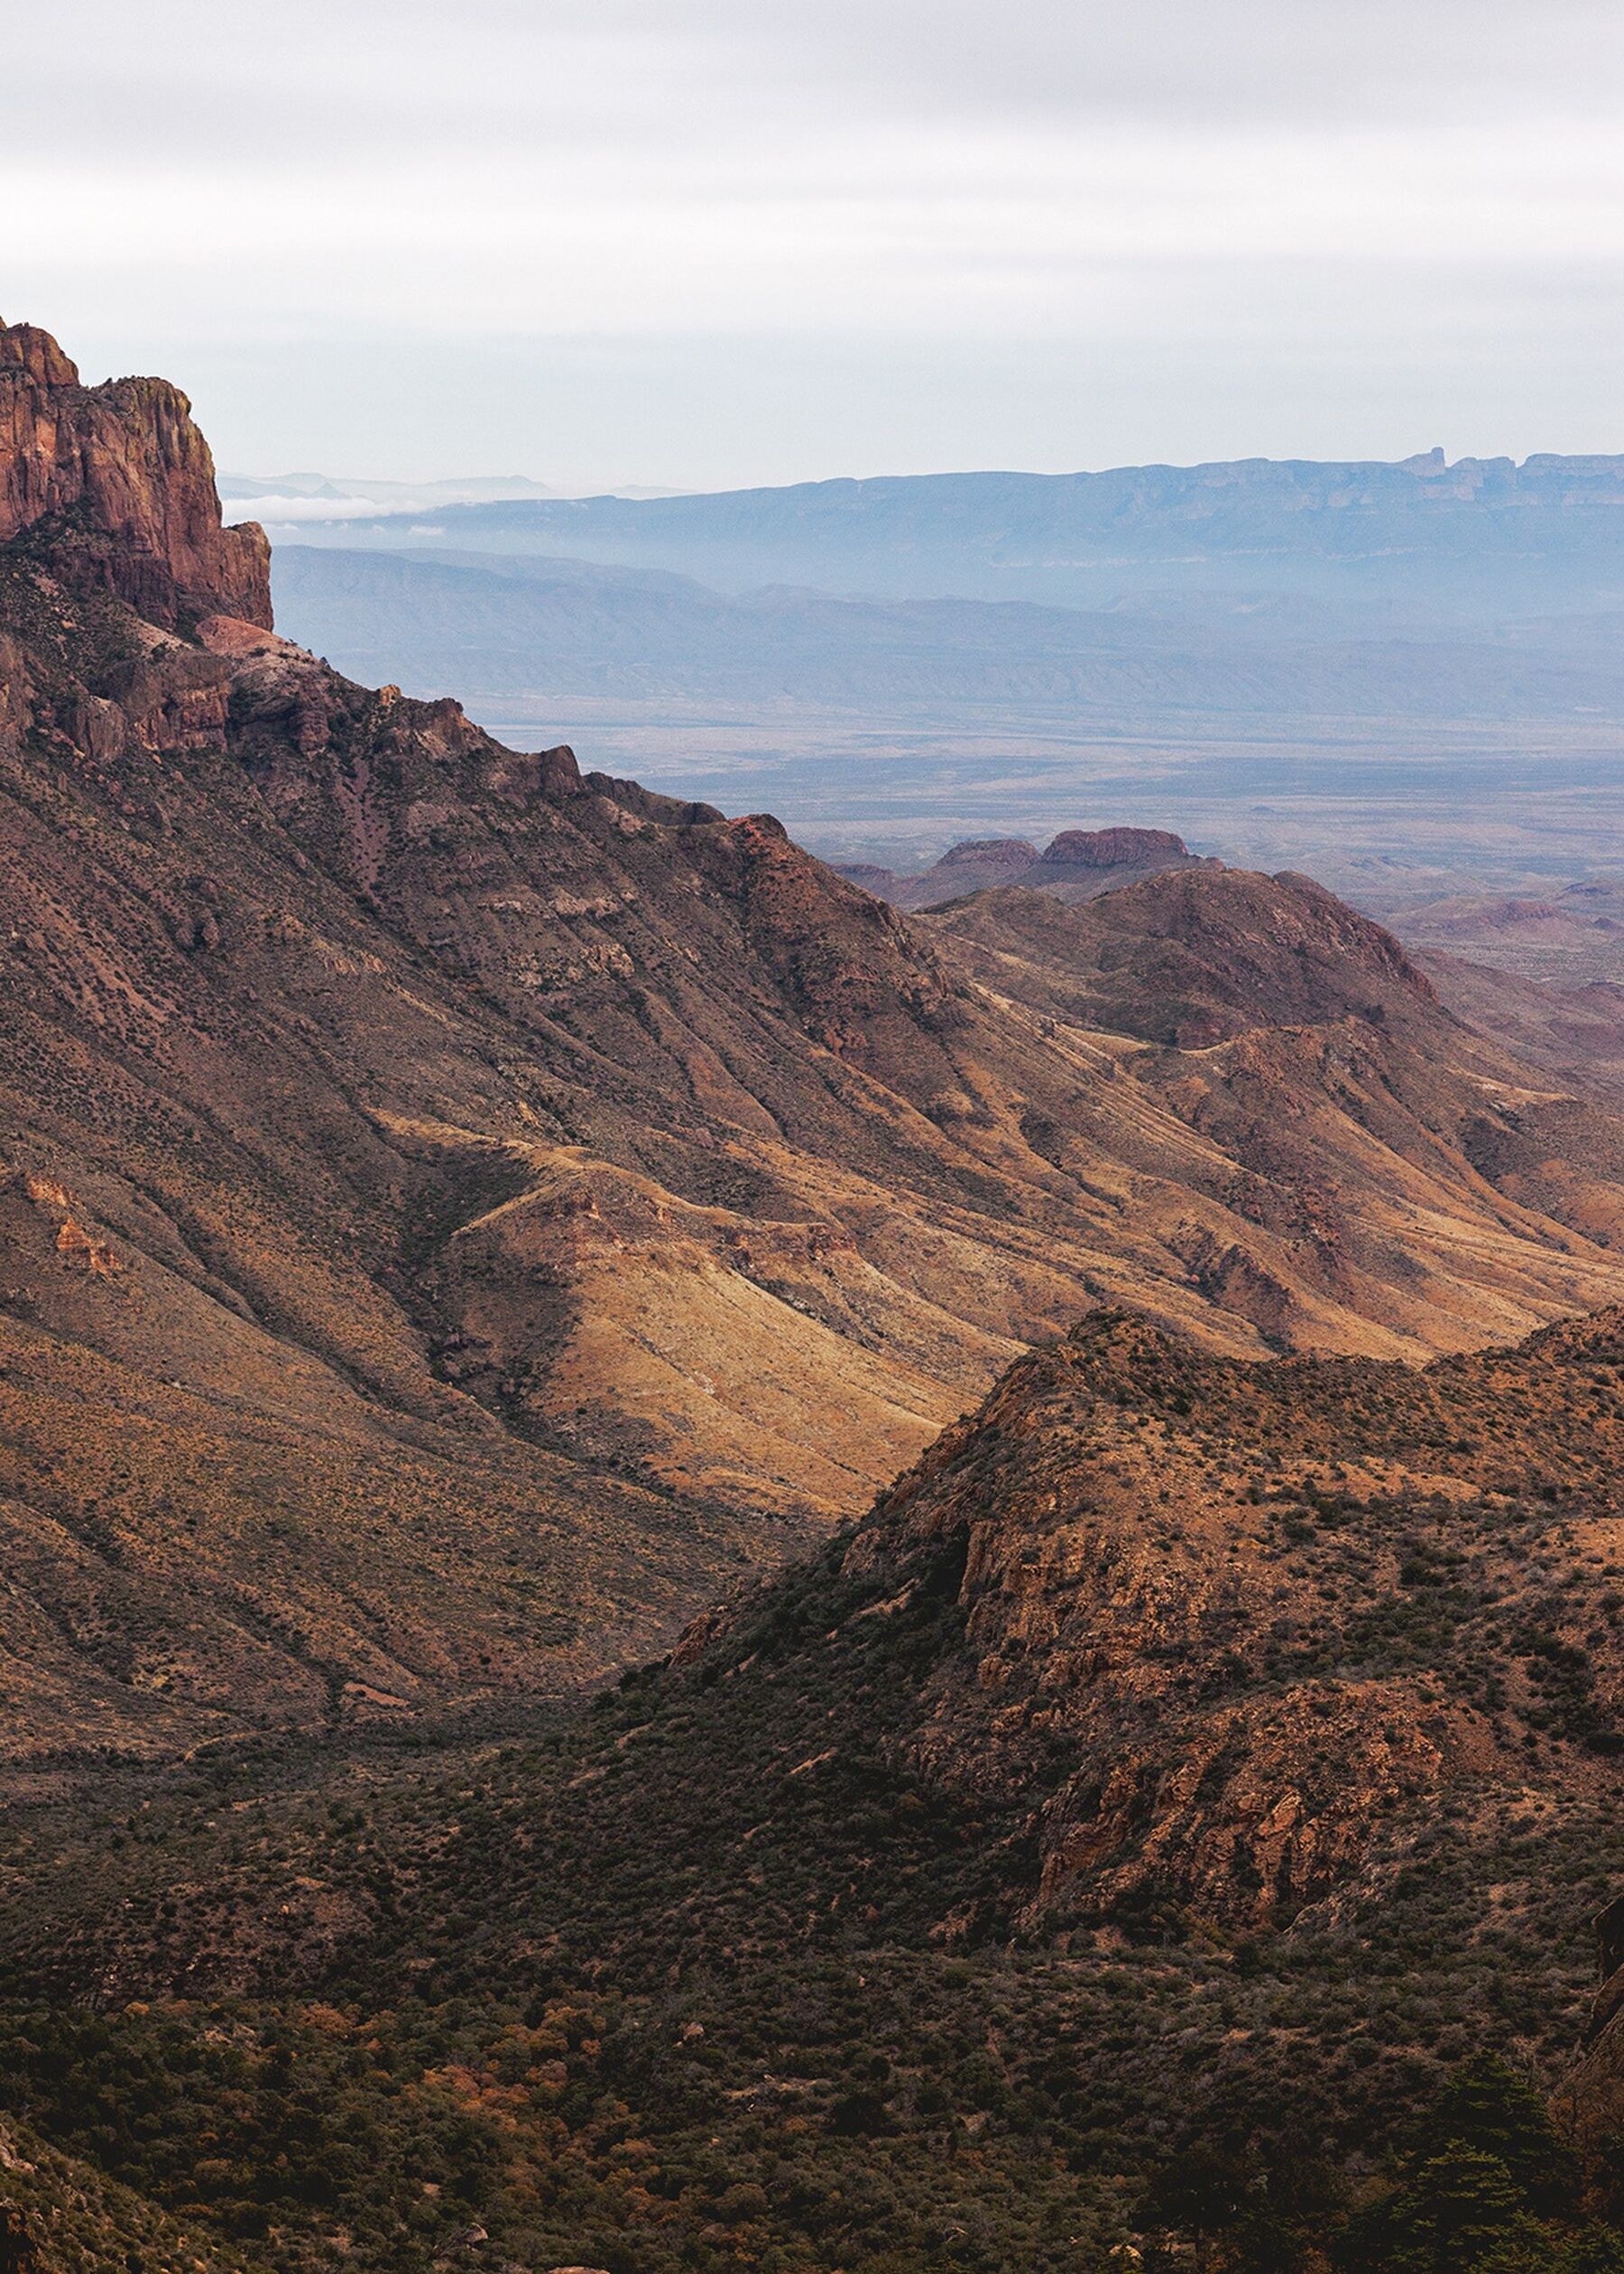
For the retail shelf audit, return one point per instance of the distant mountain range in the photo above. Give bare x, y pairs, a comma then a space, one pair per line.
1262, 608
1475, 541
502, 628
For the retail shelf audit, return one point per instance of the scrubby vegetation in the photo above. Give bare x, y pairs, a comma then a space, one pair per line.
651, 2034
763, 1959
922, 2119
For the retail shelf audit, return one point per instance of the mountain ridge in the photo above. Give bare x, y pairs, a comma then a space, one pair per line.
541, 1145
1075, 864
1455, 539
462, 1217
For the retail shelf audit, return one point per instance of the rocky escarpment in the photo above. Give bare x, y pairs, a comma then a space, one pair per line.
118, 485
1201, 1640
1078, 865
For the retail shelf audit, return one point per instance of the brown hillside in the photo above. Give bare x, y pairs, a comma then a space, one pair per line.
1158, 1648
1237, 1628
458, 1211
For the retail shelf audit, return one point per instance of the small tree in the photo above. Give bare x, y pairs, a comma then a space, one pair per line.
1487, 2107
1454, 2210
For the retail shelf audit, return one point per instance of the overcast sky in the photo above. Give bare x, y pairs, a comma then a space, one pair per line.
716, 242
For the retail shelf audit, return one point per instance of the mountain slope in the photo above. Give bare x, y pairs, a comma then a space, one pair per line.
58, 2215
461, 1211
1152, 1636
1188, 1760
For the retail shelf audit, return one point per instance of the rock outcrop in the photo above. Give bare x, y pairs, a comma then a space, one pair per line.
1078, 865
118, 487
1116, 849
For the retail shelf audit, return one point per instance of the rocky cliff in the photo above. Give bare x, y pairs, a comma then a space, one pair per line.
115, 486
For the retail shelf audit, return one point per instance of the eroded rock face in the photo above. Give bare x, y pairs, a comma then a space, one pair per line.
120, 486
1116, 849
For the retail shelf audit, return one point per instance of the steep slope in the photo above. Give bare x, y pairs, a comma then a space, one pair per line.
60, 2214
1152, 1638
460, 1211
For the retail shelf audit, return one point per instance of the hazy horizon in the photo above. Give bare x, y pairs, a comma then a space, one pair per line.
710, 245
349, 507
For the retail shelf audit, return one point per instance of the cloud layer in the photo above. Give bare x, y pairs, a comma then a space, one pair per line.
708, 241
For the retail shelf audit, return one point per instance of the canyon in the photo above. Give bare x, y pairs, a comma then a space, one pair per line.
397, 1123
670, 1529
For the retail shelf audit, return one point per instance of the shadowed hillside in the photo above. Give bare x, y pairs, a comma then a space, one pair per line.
1176, 1781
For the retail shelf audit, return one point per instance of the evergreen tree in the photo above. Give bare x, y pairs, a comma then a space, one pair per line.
1455, 2207
1487, 2107
1542, 2250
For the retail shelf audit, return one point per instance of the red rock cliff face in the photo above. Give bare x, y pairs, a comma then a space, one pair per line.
1116, 849
122, 482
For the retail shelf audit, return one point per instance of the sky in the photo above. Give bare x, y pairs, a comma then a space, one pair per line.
713, 243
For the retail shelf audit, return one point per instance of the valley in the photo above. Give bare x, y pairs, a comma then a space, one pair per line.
707, 1568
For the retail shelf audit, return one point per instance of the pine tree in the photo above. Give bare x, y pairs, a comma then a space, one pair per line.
1457, 2205
1487, 2107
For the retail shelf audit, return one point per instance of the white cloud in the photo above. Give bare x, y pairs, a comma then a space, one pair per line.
282, 512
